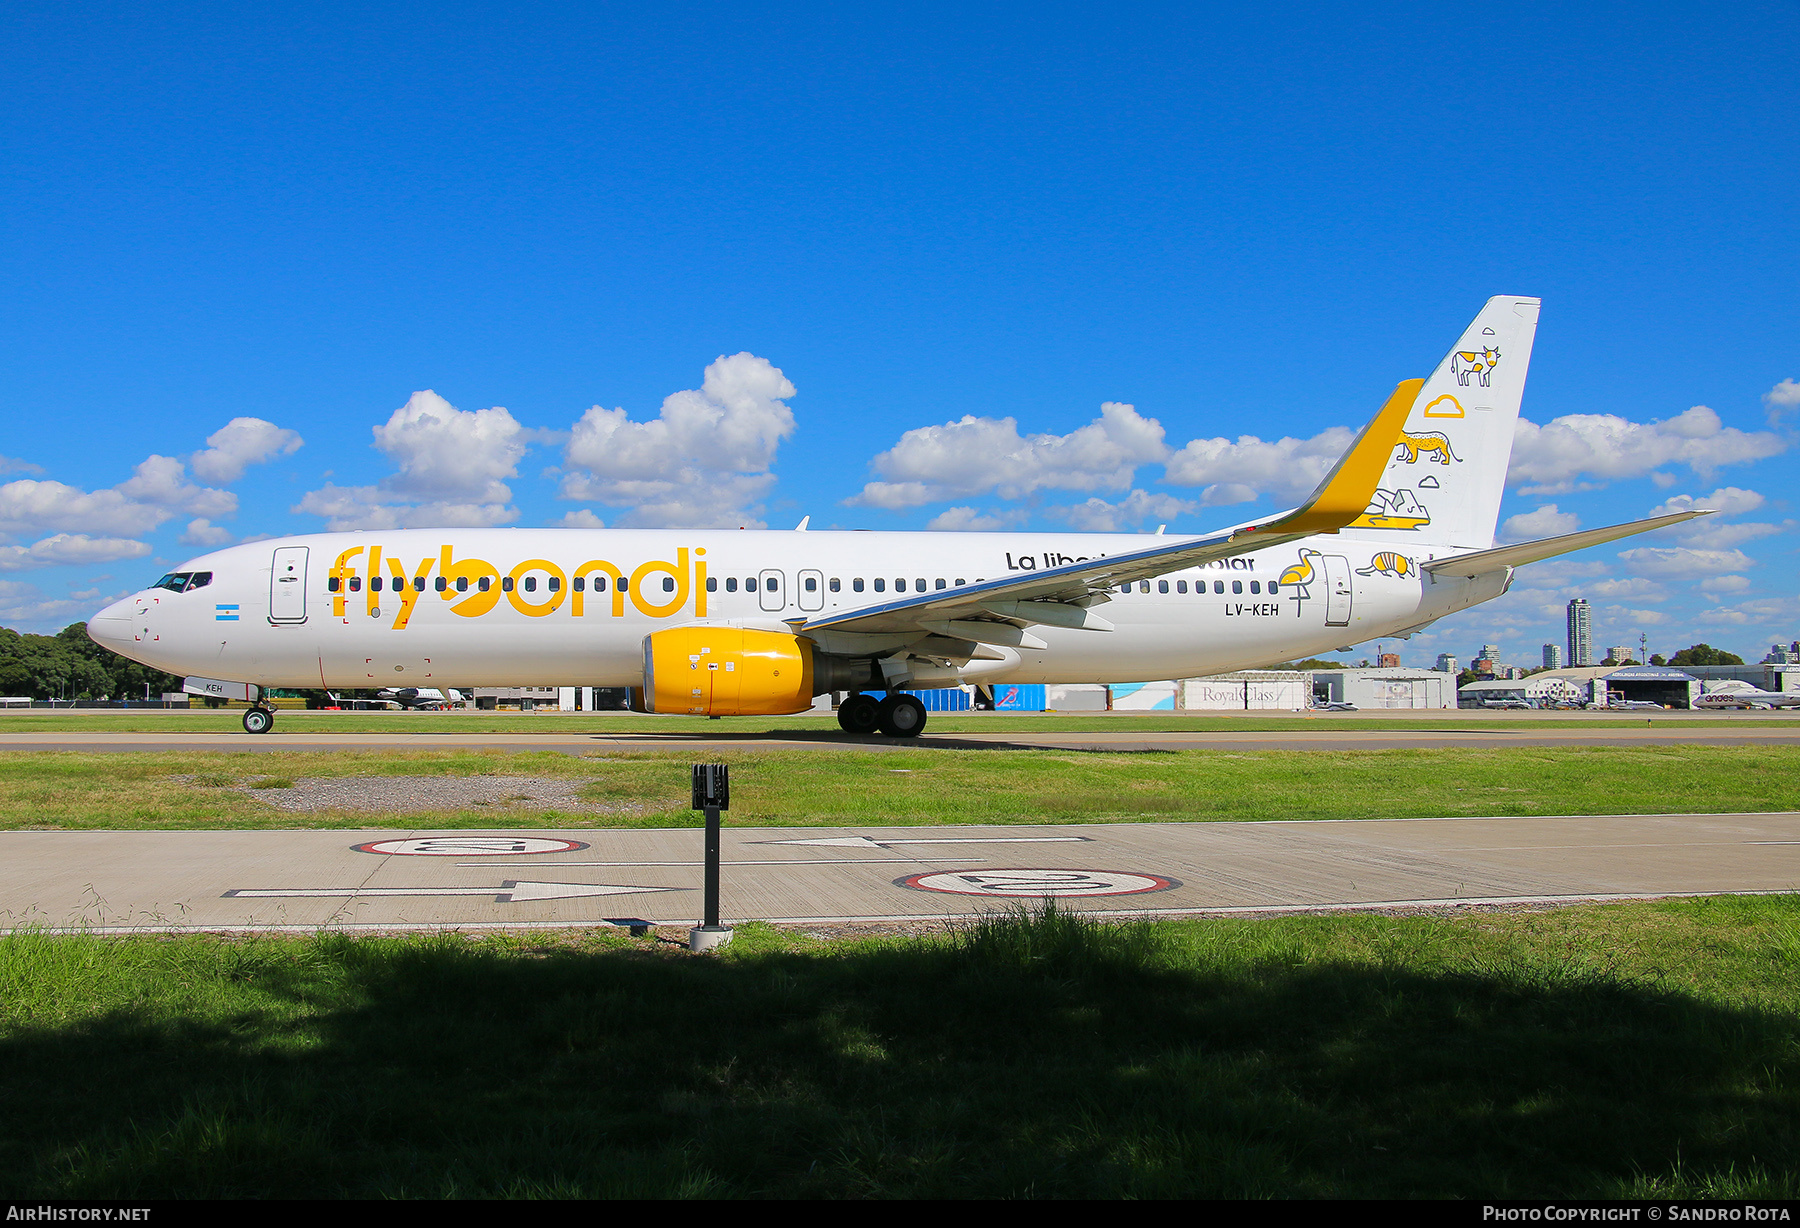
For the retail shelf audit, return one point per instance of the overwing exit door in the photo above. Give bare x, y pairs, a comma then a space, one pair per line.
773, 591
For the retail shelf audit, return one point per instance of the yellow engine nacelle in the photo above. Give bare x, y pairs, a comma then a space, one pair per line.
726, 671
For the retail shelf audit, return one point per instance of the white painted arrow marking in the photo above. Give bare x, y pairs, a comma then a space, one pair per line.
868, 842
505, 893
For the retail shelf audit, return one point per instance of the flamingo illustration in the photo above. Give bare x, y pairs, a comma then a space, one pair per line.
1299, 575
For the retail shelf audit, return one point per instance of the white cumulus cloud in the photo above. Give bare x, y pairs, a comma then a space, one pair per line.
968, 520
703, 461
240, 443
163, 481
450, 464
1555, 457
205, 533
1547, 521
70, 548
1781, 398
1677, 562
1234, 471
977, 456
1134, 510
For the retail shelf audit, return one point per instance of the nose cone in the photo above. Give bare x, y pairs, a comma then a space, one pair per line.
111, 627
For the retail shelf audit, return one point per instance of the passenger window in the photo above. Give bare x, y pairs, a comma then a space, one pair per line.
731, 584
374, 584
332, 585
856, 584
1218, 586
919, 585
506, 584
555, 584
836, 585
485, 583
622, 584
462, 583
668, 584
599, 584
1162, 586
960, 582
812, 584
531, 584
940, 583
900, 585
356, 584
1143, 586
712, 584
880, 585
1256, 586
1272, 587
1237, 586
750, 584
1181, 586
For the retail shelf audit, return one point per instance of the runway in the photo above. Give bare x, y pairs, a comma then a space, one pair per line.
1370, 736
398, 880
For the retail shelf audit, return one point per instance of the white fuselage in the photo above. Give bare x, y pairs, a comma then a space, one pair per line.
269, 614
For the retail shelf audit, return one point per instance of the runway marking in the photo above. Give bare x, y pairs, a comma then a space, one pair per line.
468, 846
870, 842
1036, 884
508, 892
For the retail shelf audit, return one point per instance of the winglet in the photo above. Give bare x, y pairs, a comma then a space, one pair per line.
1345, 493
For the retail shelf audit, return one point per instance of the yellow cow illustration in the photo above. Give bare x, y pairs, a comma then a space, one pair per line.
1432, 442
1390, 564
1474, 362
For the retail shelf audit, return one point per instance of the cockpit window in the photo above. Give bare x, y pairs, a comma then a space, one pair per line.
182, 581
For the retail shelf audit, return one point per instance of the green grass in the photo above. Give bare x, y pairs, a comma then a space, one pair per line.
1644, 1050
919, 785
566, 724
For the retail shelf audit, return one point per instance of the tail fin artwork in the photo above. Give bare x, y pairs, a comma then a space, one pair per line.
1444, 481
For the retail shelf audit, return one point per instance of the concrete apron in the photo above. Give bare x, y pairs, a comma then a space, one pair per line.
404, 880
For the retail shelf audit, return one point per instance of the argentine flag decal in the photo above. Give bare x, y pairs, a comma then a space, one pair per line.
225, 613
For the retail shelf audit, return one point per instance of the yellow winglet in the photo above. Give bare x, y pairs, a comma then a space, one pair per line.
1345, 493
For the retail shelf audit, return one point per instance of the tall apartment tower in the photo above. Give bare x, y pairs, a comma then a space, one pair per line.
1553, 656
1581, 632
1447, 663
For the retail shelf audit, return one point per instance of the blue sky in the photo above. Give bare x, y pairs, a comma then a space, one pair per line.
1237, 223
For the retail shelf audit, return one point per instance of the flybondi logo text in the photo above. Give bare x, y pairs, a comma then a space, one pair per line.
364, 580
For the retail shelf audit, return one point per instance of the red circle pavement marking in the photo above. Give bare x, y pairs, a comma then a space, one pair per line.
1037, 883
468, 846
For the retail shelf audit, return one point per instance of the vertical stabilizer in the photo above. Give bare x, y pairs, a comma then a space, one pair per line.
1444, 481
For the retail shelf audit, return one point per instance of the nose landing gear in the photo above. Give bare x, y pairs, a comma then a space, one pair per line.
259, 720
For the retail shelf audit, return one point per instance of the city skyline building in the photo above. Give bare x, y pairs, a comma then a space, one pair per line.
1581, 632
1447, 663
1553, 656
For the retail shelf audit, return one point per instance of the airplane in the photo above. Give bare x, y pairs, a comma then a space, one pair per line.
404, 698
1733, 693
714, 622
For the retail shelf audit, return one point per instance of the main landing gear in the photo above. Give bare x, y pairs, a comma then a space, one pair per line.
898, 716
259, 720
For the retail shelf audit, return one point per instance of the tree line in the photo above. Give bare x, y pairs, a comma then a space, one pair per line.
69, 665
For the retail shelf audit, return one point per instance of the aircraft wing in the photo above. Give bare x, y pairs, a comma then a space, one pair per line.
1482, 561
996, 611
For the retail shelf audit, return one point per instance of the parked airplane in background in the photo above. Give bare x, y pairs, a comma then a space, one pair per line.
734, 623
408, 698
1734, 694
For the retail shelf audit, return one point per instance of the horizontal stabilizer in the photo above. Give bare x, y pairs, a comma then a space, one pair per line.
1483, 561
